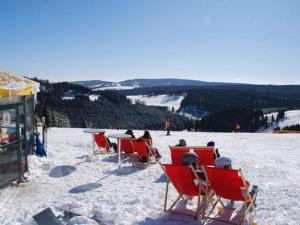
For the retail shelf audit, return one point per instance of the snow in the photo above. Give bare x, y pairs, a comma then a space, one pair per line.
291, 117
170, 101
68, 98
117, 86
93, 97
73, 178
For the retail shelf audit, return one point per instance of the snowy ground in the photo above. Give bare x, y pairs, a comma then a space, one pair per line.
170, 101
135, 196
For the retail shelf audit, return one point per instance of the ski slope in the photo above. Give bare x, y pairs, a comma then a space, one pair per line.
133, 196
291, 117
114, 86
170, 101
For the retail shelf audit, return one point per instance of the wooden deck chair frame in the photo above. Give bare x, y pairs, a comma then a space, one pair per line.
200, 203
248, 198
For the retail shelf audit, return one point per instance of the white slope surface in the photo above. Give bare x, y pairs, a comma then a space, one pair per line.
170, 101
132, 196
117, 86
291, 117
93, 97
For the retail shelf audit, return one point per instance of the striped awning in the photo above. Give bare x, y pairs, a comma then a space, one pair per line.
12, 85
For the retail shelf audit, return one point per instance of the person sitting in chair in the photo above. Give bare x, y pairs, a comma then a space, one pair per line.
148, 139
191, 159
212, 144
130, 132
182, 143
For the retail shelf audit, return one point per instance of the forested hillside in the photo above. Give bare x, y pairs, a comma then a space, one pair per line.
109, 109
223, 107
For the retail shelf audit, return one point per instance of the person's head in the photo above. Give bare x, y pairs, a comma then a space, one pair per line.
211, 143
130, 132
189, 158
182, 142
223, 162
146, 134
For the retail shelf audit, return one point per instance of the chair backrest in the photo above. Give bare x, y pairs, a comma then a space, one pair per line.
177, 153
101, 141
127, 146
140, 147
183, 179
205, 154
227, 183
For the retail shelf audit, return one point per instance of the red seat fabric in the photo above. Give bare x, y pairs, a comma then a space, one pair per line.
101, 141
227, 183
176, 154
140, 147
205, 154
127, 146
182, 178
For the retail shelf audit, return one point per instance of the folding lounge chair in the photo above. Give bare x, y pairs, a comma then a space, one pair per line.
102, 142
177, 153
229, 184
127, 146
187, 183
143, 150
205, 154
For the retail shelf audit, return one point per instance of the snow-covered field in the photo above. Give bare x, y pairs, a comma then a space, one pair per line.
170, 101
132, 196
117, 86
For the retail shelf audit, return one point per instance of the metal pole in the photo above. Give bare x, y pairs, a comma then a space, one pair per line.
93, 141
119, 152
19, 154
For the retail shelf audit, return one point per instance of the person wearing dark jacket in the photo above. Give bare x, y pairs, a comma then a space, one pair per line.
148, 139
130, 132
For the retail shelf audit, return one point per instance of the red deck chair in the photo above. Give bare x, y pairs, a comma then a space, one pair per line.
102, 141
127, 146
176, 154
186, 182
143, 150
229, 184
205, 154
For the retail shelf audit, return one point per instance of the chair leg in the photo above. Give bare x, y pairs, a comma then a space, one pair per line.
166, 195
175, 202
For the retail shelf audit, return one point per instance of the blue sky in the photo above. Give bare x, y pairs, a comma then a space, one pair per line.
251, 41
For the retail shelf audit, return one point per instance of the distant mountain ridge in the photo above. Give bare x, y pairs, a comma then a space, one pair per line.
143, 83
